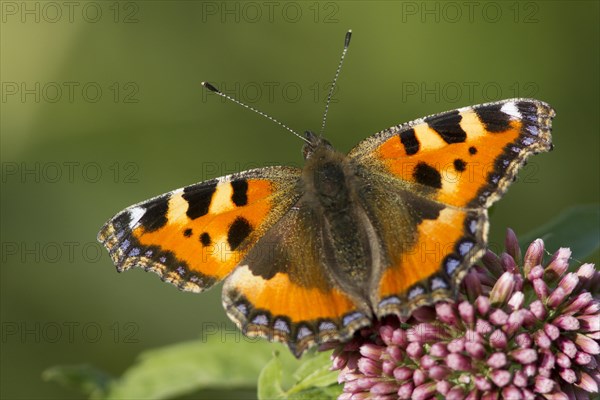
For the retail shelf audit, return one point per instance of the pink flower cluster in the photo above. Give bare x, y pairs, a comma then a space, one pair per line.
520, 329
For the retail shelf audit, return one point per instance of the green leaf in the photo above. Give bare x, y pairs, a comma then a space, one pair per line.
315, 372
311, 376
322, 393
191, 366
209, 366
269, 380
576, 227
201, 365
89, 380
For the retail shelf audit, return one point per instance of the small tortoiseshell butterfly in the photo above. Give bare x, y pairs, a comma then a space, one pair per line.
311, 255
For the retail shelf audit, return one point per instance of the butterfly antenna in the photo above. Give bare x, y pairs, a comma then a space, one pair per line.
337, 73
236, 101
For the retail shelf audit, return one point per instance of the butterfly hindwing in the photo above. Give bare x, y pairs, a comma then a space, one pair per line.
427, 246
430, 183
432, 268
282, 291
195, 236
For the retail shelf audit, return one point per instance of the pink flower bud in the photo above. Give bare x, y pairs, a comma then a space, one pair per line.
498, 339
472, 286
405, 391
581, 301
498, 317
492, 262
483, 327
583, 358
445, 313
475, 350
456, 393
566, 322
562, 360
516, 301
402, 373
511, 392
427, 361
548, 360
567, 347
586, 344
473, 336
439, 372
520, 379
438, 350
424, 391
587, 383
414, 350
508, 263
497, 360
500, 377
523, 340
551, 331
524, 356
399, 338
483, 305
458, 362
369, 367
515, 322
387, 367
568, 375
482, 383
542, 340
511, 244
384, 388
543, 384
541, 289
443, 387
538, 309
424, 314
386, 333
466, 312
536, 272
592, 309
394, 353
533, 255
456, 345
559, 263
589, 323
371, 351
530, 370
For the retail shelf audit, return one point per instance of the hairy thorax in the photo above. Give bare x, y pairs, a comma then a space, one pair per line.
332, 194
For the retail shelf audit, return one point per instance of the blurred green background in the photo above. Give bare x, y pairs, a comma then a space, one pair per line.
102, 107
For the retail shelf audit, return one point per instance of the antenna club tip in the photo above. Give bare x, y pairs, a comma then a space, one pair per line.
210, 87
347, 39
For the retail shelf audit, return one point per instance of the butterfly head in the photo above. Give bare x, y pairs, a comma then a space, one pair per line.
314, 142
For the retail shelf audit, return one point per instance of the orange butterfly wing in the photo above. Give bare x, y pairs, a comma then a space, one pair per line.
195, 236
457, 164
282, 291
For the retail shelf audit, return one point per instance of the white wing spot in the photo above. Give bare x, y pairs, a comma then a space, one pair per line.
511, 109
135, 214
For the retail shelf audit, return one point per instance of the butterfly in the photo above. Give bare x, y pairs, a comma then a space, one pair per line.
311, 255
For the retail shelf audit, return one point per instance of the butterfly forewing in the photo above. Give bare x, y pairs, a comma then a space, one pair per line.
466, 157
193, 237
